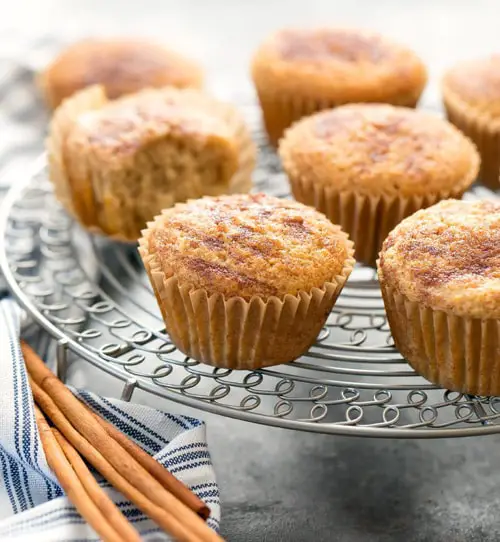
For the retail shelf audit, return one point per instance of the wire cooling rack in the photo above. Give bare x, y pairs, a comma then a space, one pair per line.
94, 298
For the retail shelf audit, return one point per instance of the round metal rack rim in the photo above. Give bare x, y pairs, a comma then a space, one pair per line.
351, 398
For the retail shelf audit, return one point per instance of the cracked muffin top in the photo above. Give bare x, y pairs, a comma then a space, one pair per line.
122, 66
448, 258
116, 164
248, 245
380, 149
341, 64
122, 127
477, 84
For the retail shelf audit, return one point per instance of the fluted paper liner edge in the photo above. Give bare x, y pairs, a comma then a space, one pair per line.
368, 219
281, 110
76, 191
235, 333
72, 190
457, 353
482, 129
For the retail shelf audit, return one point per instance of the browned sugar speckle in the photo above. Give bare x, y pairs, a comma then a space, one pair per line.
123, 126
122, 66
477, 82
378, 148
131, 62
448, 257
336, 65
211, 272
340, 44
246, 245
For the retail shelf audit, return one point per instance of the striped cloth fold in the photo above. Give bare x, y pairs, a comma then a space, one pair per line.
32, 503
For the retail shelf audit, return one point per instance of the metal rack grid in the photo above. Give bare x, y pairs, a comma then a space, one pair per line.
93, 297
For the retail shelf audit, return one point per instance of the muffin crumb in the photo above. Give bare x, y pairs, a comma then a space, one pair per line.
116, 164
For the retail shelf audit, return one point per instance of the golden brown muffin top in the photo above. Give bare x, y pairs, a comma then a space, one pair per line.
379, 149
123, 126
248, 245
338, 64
477, 83
122, 66
448, 258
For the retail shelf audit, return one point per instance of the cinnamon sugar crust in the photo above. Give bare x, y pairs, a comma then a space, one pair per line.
380, 149
448, 258
325, 45
339, 64
122, 66
248, 245
127, 125
477, 84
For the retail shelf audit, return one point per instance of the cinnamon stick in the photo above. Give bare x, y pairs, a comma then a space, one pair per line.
165, 520
71, 484
166, 479
106, 506
109, 457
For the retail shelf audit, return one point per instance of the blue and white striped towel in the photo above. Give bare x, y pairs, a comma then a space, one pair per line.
32, 503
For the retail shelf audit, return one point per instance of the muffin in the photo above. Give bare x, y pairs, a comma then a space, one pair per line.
367, 166
122, 66
117, 164
439, 273
299, 72
471, 93
245, 281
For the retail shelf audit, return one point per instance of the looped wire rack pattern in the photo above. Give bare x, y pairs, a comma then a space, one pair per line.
94, 298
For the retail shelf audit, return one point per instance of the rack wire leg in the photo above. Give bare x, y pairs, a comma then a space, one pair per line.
128, 389
62, 359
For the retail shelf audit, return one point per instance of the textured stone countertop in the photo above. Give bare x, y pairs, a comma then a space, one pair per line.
280, 485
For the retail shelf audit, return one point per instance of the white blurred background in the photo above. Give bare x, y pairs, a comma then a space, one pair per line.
223, 33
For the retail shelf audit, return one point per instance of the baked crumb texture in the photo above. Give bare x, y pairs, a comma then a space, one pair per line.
368, 166
471, 94
298, 72
116, 164
439, 272
245, 281
122, 66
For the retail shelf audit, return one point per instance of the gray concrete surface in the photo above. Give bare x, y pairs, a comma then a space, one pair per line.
286, 486
278, 485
